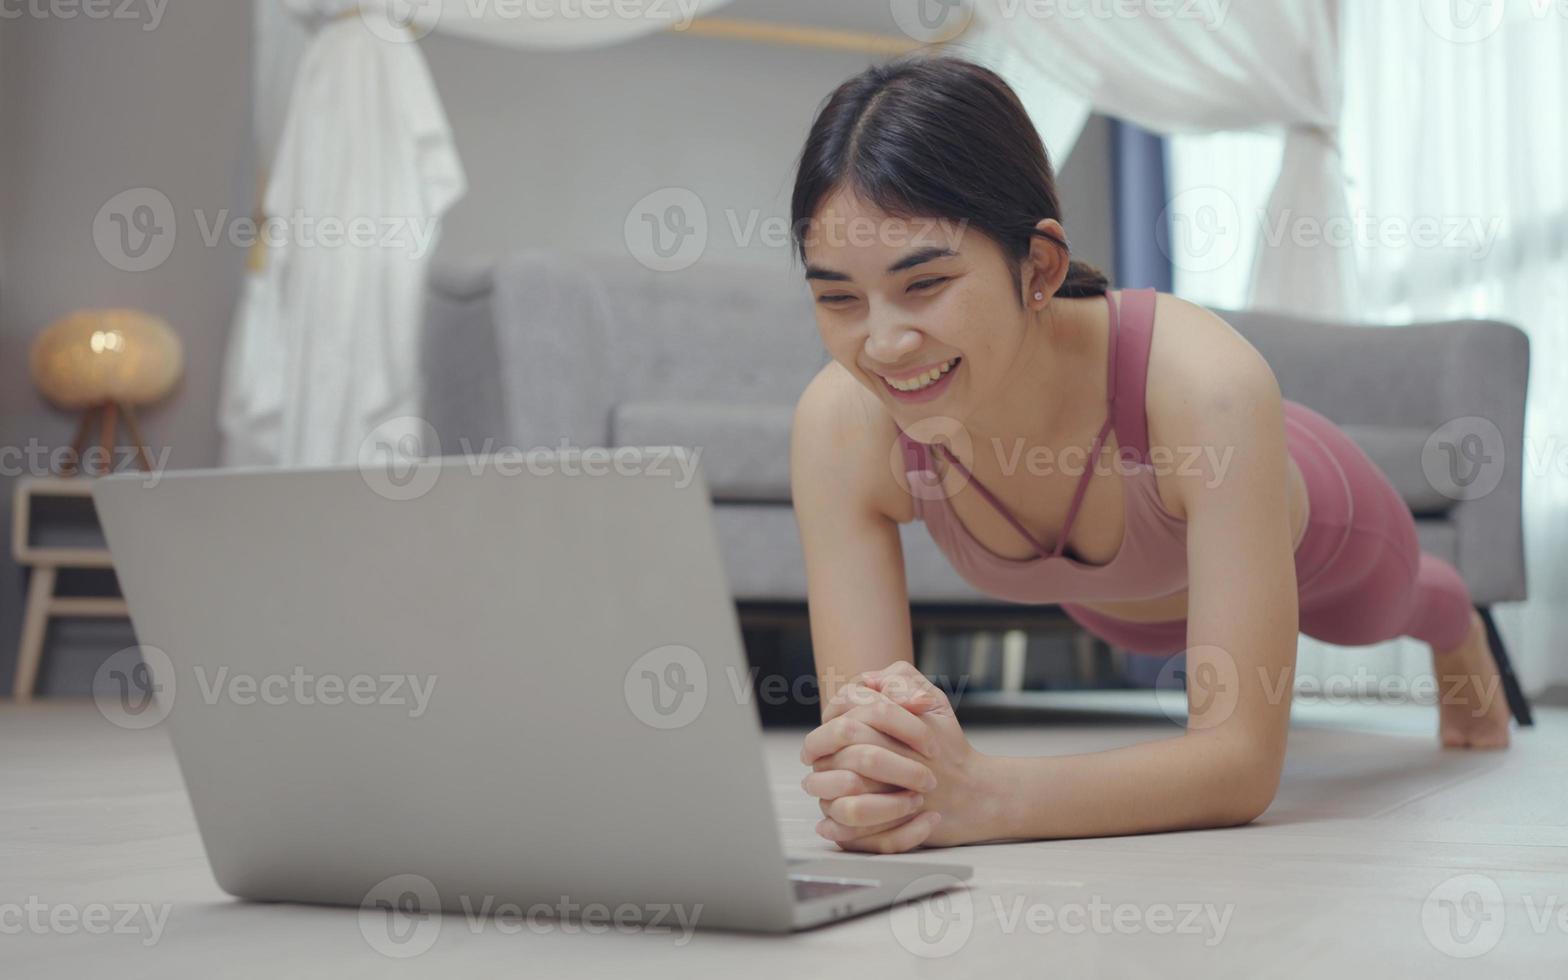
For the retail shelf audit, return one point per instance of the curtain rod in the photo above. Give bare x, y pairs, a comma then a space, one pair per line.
800, 36
806, 37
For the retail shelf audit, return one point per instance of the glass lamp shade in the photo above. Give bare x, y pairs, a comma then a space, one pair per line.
97, 356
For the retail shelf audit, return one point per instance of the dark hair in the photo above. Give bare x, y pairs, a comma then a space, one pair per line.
936, 137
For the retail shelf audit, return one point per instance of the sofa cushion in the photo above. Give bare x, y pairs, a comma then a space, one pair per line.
1397, 450
742, 449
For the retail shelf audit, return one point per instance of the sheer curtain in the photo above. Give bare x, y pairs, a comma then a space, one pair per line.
321, 365
1202, 68
1454, 138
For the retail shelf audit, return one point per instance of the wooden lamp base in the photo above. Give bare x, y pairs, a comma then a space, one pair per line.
107, 413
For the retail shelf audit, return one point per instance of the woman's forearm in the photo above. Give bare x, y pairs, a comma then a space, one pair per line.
1188, 782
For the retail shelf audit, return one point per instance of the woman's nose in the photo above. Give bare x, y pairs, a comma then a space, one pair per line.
891, 342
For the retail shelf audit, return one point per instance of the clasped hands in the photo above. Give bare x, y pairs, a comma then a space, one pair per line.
892, 770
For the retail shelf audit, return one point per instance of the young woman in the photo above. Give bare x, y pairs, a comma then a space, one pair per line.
1122, 453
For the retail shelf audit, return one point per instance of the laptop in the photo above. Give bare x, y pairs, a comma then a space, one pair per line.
505, 679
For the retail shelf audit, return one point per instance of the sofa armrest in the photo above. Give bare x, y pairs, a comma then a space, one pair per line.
1427, 375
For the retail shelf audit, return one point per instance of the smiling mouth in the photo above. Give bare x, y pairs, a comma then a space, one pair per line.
923, 380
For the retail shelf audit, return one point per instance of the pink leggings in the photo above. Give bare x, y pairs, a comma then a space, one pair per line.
1361, 575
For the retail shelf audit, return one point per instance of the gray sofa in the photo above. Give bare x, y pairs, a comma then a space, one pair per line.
544, 346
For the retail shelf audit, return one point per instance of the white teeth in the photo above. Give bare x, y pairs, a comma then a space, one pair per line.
920, 381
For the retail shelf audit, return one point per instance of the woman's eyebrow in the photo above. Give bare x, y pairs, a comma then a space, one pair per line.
914, 258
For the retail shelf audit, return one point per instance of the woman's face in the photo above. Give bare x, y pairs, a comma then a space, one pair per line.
922, 311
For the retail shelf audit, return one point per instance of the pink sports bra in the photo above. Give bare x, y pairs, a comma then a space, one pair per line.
1152, 559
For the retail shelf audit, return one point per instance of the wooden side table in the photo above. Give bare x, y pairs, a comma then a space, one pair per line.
46, 563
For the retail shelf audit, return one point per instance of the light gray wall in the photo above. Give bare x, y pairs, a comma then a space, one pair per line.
90, 108
557, 147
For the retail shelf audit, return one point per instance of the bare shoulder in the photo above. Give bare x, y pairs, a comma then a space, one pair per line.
843, 441
1206, 382
1197, 360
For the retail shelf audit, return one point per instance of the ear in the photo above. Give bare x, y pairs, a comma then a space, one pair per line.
1045, 267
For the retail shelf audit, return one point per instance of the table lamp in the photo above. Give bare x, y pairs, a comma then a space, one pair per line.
105, 363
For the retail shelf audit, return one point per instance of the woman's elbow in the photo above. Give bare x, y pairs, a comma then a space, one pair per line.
1250, 796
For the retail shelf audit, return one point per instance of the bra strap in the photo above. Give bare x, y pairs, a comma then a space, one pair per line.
1132, 334
916, 459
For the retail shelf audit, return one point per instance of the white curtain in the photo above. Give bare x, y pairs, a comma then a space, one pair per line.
1203, 67
323, 352
1477, 168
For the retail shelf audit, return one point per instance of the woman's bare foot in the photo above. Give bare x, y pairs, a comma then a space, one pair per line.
1472, 710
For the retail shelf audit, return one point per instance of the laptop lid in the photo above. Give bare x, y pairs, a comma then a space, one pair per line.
514, 676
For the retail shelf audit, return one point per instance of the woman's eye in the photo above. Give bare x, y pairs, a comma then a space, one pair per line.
836, 298
928, 283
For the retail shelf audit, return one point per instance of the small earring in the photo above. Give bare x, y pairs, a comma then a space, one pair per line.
1039, 295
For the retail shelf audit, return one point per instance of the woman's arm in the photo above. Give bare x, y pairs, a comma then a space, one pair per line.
856, 593
1242, 626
